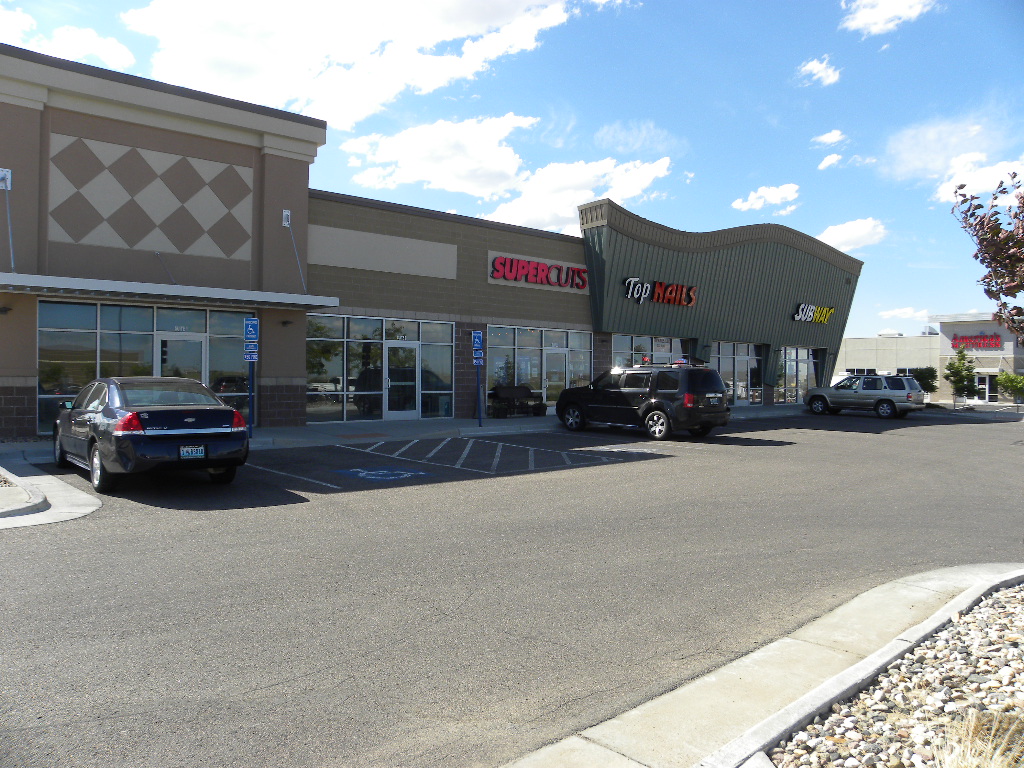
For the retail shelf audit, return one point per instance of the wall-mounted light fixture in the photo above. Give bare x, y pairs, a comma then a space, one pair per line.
4, 310
286, 323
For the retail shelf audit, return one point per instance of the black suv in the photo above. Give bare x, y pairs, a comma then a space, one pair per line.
662, 399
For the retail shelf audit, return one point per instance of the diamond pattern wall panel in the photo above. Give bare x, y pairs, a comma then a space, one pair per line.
123, 197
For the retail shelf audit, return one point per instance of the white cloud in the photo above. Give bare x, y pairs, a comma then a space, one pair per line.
980, 179
832, 137
820, 70
829, 161
905, 313
550, 196
787, 210
471, 156
876, 17
854, 234
634, 136
762, 196
926, 150
71, 43
354, 61
950, 152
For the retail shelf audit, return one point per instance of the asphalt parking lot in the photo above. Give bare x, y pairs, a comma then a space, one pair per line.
461, 601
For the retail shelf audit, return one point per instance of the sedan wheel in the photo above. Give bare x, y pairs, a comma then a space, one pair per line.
59, 457
657, 425
101, 479
572, 417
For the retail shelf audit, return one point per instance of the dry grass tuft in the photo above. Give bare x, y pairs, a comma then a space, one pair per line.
984, 740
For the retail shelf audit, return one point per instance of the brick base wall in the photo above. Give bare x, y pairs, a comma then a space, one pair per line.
17, 411
281, 405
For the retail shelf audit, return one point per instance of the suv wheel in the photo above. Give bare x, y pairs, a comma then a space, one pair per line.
573, 419
657, 425
886, 409
819, 406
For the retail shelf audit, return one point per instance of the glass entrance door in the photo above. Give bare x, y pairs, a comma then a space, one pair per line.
401, 390
181, 354
555, 368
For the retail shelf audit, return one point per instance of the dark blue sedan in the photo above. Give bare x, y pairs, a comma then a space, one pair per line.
117, 426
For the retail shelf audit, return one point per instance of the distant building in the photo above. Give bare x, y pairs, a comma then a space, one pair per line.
991, 348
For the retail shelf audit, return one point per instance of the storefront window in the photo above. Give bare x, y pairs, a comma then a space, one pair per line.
402, 330
647, 350
127, 354
529, 337
67, 361
346, 374
799, 369
114, 317
181, 320
501, 336
365, 328
228, 323
556, 339
54, 314
740, 364
528, 368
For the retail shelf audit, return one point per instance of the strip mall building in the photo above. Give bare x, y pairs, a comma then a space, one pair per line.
147, 221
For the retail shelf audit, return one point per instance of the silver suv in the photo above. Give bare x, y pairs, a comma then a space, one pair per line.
891, 397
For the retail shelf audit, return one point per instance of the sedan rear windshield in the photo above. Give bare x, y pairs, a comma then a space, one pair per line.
144, 394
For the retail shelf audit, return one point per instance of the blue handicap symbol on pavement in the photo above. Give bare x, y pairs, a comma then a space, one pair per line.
382, 474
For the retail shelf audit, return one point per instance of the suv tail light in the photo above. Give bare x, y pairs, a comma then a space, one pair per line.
129, 425
689, 400
237, 422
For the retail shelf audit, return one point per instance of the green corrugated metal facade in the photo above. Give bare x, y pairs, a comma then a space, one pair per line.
749, 281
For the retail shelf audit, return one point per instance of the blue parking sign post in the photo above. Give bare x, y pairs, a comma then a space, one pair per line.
478, 360
250, 354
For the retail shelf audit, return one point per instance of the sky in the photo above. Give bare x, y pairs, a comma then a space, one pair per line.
849, 120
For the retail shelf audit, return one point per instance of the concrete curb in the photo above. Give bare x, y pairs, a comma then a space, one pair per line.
749, 749
36, 501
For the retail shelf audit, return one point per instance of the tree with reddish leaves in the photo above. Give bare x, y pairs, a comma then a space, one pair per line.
1000, 244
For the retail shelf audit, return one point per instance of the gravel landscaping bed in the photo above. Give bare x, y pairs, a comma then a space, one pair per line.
974, 663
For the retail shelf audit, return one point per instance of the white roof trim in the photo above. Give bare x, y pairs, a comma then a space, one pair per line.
82, 287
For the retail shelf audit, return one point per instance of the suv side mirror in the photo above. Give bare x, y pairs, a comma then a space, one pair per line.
65, 405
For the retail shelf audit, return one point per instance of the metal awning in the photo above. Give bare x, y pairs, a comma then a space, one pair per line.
84, 288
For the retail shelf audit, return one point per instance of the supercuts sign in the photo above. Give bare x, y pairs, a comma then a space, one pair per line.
507, 269
980, 341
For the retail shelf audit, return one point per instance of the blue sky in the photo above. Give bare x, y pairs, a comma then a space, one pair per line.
850, 120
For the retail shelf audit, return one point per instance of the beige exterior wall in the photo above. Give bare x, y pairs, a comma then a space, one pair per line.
887, 353
125, 180
397, 286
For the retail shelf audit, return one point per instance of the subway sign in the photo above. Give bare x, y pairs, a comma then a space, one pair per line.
810, 313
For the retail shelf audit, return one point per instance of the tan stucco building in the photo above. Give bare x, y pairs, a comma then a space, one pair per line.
151, 223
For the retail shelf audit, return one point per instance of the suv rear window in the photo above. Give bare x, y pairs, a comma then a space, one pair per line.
894, 382
705, 380
636, 381
668, 381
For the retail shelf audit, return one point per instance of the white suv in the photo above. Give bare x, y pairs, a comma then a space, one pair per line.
891, 397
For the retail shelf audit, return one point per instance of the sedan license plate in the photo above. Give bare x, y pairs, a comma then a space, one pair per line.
192, 452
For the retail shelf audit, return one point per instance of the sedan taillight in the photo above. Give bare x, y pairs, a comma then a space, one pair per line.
237, 422
129, 425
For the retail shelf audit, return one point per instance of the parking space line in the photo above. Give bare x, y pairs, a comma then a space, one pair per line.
497, 457
406, 447
294, 477
442, 445
465, 453
531, 465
